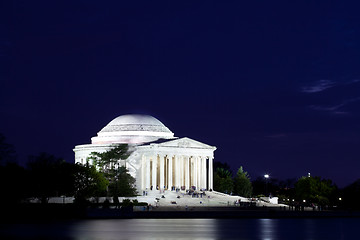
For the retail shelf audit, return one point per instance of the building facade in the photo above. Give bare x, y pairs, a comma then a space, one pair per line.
158, 160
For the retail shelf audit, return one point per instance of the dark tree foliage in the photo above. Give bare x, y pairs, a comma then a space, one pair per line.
14, 183
242, 183
223, 181
224, 166
273, 186
285, 190
351, 195
316, 190
107, 161
123, 184
111, 164
50, 176
262, 186
88, 182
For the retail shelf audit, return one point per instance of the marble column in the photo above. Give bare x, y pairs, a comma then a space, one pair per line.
143, 169
181, 171
187, 175
162, 172
170, 172
194, 177
203, 172
176, 166
177, 171
143, 172
147, 173
198, 167
154, 171
210, 173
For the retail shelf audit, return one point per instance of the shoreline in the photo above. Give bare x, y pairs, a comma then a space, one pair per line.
222, 212
30, 213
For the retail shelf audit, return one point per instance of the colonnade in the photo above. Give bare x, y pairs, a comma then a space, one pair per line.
160, 171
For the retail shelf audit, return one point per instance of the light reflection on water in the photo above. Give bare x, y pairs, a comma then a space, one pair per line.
146, 229
265, 229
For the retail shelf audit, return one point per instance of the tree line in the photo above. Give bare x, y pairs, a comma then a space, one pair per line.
47, 176
305, 191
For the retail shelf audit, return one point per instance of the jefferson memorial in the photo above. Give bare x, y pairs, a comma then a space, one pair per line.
158, 160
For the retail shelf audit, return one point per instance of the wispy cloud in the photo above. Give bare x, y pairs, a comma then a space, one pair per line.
335, 108
342, 94
354, 81
318, 86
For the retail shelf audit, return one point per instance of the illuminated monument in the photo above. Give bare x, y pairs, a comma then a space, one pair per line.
158, 159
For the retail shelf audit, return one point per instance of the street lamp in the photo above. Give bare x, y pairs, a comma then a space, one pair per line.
266, 176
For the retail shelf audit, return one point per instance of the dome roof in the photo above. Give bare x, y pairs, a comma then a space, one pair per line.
135, 122
133, 128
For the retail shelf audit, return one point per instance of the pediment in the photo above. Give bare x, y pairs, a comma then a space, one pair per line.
185, 143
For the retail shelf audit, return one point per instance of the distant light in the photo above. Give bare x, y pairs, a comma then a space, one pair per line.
293, 200
340, 198
308, 174
266, 176
304, 200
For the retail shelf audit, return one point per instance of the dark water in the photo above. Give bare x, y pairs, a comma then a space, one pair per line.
333, 228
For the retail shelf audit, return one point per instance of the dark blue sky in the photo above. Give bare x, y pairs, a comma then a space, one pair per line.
275, 87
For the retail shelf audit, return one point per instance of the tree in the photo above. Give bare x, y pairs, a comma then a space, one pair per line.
224, 166
351, 195
123, 184
107, 161
315, 190
242, 183
223, 181
50, 176
268, 186
89, 182
110, 164
14, 183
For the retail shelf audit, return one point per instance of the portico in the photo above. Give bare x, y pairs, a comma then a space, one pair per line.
176, 164
164, 172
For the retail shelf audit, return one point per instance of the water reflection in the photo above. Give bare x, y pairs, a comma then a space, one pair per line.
265, 229
146, 229
268, 229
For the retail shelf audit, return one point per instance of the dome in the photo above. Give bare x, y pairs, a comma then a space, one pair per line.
133, 128
135, 122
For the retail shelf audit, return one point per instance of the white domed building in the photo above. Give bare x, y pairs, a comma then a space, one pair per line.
158, 159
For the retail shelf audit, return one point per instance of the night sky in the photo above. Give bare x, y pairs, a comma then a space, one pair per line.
275, 87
